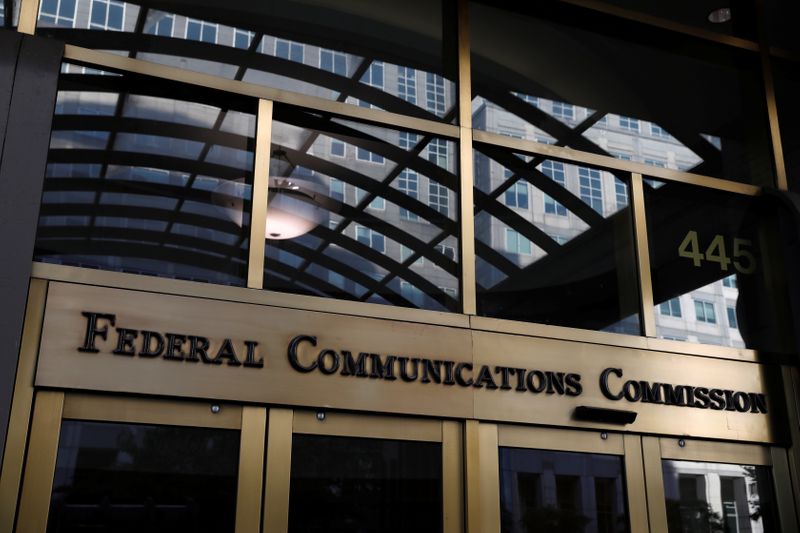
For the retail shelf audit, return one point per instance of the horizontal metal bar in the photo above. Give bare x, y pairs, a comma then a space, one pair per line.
112, 61
612, 163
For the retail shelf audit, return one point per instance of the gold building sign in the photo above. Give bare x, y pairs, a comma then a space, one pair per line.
112, 339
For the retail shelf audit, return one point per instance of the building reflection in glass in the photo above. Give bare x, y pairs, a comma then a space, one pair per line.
558, 492
387, 55
554, 242
718, 498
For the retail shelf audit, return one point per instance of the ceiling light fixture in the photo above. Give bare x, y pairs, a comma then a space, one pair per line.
293, 208
720, 16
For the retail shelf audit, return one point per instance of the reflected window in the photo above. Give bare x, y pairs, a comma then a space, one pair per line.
564, 270
544, 490
360, 484
704, 312
129, 478
58, 12
718, 497
308, 49
142, 178
671, 308
732, 322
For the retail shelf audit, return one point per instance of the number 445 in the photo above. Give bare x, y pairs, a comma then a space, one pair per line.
743, 259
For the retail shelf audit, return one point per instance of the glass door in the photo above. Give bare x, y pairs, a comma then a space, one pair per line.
710, 486
554, 480
348, 472
100, 463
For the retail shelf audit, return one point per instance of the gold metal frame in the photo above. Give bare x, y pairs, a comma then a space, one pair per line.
258, 217
21, 405
334, 423
483, 442
52, 407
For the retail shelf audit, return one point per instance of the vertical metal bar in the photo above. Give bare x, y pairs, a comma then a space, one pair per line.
643, 255
279, 470
453, 477
790, 389
781, 181
251, 469
40, 466
482, 478
466, 167
654, 480
258, 218
21, 405
28, 13
787, 513
634, 483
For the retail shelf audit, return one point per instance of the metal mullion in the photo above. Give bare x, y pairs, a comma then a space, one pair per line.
28, 13
789, 376
635, 483
96, 58
654, 481
642, 249
781, 181
466, 165
784, 495
613, 164
21, 405
251, 469
258, 215
278, 466
452, 477
40, 465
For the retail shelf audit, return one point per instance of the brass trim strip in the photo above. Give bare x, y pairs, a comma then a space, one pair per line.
258, 218
21, 405
489, 485
278, 471
790, 389
467, 215
389, 119
666, 24
635, 484
784, 53
574, 156
28, 15
452, 477
138, 410
654, 480
567, 440
787, 512
251, 469
472, 476
643, 256
714, 451
367, 426
40, 466
781, 181
122, 280
464, 67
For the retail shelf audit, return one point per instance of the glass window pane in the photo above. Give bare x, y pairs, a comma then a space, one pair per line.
133, 478
718, 497
386, 55
148, 177
543, 490
716, 254
787, 89
362, 213
343, 484
564, 255
616, 86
